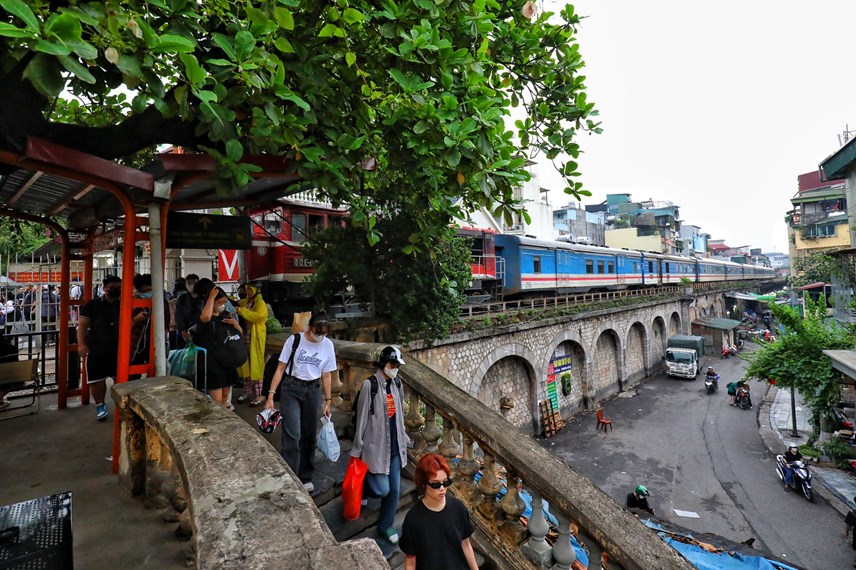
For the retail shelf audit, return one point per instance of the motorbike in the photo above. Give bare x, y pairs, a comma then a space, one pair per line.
742, 399
801, 479
711, 383
728, 350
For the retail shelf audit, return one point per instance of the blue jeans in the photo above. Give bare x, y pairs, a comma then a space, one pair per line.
300, 406
789, 474
387, 487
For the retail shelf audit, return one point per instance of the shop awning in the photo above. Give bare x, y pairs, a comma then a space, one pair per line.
718, 323
817, 285
741, 296
844, 361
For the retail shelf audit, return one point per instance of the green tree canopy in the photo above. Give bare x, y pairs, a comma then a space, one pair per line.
379, 103
419, 294
813, 268
796, 358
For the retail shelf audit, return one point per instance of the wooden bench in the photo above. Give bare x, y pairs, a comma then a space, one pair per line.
601, 421
19, 372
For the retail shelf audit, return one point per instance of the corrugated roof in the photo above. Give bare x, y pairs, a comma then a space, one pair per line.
718, 323
840, 162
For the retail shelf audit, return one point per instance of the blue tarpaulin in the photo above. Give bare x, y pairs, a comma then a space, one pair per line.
721, 560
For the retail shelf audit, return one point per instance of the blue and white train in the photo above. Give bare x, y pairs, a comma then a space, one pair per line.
535, 266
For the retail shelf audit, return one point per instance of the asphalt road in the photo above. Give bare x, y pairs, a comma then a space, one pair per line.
696, 453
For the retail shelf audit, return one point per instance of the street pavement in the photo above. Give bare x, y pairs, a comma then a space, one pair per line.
697, 454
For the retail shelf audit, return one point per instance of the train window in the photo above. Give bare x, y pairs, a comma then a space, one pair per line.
536, 264
272, 224
650, 267
610, 267
600, 267
635, 268
667, 267
315, 223
298, 228
589, 266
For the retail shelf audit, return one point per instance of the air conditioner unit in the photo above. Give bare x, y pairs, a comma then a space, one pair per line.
515, 228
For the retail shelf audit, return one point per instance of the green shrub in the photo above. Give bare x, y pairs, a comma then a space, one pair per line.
839, 452
809, 451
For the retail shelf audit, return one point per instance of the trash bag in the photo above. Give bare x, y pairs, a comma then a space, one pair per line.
182, 361
328, 443
352, 488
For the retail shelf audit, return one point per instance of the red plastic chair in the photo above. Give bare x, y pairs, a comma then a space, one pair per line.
602, 421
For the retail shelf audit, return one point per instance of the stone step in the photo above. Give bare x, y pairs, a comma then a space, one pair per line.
393, 555
343, 529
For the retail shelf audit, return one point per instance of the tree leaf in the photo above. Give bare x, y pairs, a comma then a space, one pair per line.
283, 45
22, 11
45, 46
12, 31
193, 71
45, 75
63, 27
350, 58
234, 150
71, 64
174, 43
244, 44
284, 18
331, 30
352, 16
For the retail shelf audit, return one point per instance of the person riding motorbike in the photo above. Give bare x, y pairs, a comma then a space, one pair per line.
712, 376
791, 455
638, 499
743, 389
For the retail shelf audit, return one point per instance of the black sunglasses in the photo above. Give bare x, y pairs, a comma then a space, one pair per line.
438, 484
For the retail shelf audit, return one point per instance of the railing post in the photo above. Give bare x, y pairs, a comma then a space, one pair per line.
449, 447
414, 421
489, 486
537, 549
563, 554
467, 469
430, 433
512, 507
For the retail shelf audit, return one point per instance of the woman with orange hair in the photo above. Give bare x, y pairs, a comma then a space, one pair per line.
437, 530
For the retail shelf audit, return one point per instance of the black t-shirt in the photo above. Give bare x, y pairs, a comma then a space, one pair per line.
435, 538
103, 334
791, 457
634, 502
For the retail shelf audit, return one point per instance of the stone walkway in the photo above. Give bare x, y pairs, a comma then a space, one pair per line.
837, 486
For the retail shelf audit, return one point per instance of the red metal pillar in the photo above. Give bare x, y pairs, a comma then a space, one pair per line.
62, 345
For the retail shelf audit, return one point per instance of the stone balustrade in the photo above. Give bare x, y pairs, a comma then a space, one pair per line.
577, 504
232, 493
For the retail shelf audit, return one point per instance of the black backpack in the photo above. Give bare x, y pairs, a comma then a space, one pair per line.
228, 350
273, 363
373, 388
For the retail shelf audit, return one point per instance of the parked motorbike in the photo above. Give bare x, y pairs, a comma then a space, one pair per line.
711, 383
742, 399
725, 353
802, 477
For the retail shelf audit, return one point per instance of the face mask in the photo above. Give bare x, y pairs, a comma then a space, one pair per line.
219, 309
147, 295
391, 372
189, 288
113, 293
316, 337
242, 295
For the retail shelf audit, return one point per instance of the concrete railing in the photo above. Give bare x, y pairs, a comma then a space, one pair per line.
229, 489
464, 421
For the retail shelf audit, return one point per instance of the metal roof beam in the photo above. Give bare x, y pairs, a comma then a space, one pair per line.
69, 201
23, 189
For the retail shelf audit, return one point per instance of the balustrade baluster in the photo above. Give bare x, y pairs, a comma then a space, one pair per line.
449, 447
467, 469
430, 433
563, 553
537, 549
489, 486
337, 388
512, 507
414, 421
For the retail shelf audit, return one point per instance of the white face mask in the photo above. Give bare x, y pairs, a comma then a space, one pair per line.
316, 337
391, 372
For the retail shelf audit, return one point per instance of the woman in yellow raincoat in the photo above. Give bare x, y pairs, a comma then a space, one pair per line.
253, 310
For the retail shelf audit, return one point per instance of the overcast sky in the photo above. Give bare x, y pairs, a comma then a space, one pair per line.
716, 107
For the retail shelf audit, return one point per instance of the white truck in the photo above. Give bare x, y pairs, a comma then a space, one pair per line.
683, 356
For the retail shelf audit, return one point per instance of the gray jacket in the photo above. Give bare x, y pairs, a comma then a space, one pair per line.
372, 440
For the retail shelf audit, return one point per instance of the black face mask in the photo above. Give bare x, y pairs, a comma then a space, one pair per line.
113, 293
242, 295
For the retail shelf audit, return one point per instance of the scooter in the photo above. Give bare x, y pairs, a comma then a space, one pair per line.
742, 399
801, 479
711, 383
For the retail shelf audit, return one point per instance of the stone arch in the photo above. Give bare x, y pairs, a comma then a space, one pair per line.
674, 323
660, 338
607, 364
636, 353
508, 371
693, 314
568, 344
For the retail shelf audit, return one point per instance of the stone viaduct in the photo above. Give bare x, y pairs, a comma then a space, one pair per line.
607, 352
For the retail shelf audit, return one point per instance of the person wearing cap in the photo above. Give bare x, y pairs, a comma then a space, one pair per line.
638, 499
791, 455
308, 382
380, 439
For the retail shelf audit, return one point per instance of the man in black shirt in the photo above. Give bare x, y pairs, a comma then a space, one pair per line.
98, 341
638, 499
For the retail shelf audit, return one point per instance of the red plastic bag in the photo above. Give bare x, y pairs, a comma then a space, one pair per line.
352, 487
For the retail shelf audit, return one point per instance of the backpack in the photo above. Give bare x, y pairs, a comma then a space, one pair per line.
228, 350
373, 388
273, 363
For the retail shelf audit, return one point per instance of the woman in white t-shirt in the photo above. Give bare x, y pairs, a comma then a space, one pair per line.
306, 379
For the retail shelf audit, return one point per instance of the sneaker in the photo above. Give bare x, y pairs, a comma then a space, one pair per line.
258, 401
390, 535
230, 406
100, 412
244, 398
309, 487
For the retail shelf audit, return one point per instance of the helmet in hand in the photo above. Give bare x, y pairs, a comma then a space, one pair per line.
642, 491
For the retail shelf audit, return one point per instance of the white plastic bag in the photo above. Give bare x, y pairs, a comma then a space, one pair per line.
328, 443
